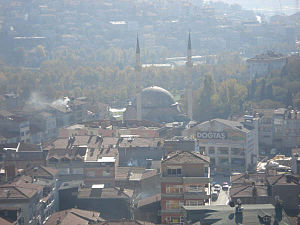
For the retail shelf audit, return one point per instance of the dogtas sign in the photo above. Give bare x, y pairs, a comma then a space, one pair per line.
211, 135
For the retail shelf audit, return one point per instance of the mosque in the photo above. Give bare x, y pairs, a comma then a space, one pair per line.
154, 103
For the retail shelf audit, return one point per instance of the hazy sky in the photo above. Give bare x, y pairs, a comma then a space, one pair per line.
288, 6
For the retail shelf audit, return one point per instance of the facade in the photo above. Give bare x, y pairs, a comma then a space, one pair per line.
23, 155
134, 151
230, 145
113, 203
263, 65
25, 195
185, 180
100, 166
286, 128
265, 126
46, 124
13, 128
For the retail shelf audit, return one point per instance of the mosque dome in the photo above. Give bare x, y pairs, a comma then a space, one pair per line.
156, 97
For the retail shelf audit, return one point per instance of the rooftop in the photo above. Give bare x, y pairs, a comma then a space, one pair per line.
224, 214
186, 157
74, 217
102, 193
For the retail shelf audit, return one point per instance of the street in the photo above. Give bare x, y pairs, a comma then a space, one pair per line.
222, 199
223, 195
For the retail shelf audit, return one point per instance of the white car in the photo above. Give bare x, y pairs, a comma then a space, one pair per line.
217, 187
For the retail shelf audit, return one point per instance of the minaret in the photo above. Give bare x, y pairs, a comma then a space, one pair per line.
189, 62
189, 91
138, 69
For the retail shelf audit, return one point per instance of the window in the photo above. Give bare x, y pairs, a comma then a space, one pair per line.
194, 188
91, 173
173, 204
236, 151
174, 189
211, 150
223, 150
194, 202
174, 171
174, 219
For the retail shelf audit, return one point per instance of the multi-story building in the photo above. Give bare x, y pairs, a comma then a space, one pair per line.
286, 128
231, 145
27, 196
265, 126
46, 123
100, 166
23, 155
262, 65
14, 128
185, 180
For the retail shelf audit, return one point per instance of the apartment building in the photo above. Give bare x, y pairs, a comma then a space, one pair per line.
185, 180
231, 145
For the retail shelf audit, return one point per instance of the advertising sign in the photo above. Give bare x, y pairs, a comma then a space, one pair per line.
211, 135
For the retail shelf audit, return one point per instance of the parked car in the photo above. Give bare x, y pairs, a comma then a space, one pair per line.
214, 196
217, 187
225, 186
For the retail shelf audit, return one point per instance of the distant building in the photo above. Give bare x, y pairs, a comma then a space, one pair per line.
23, 155
100, 166
26, 194
113, 203
157, 105
74, 216
185, 180
286, 128
230, 145
264, 64
134, 151
246, 214
13, 128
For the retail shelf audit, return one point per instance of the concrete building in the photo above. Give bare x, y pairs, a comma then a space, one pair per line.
230, 145
134, 151
286, 128
241, 214
264, 64
113, 203
185, 180
13, 128
35, 200
23, 155
100, 166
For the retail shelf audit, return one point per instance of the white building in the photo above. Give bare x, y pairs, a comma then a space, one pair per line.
230, 145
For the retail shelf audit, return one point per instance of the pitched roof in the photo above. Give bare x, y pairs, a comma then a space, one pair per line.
224, 214
42, 171
124, 222
74, 217
247, 191
20, 189
186, 157
283, 179
105, 193
4, 222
